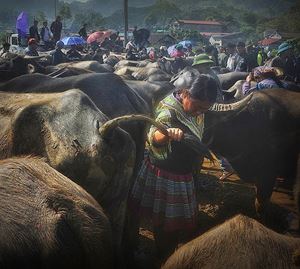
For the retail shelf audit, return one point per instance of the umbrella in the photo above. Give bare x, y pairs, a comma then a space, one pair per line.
186, 43
73, 40
99, 36
22, 24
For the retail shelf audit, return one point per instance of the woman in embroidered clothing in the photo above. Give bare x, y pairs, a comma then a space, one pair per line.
164, 189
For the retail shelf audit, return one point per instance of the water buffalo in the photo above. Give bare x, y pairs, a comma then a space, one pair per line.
123, 63
76, 68
174, 65
236, 91
143, 63
151, 92
48, 221
148, 63
16, 66
187, 75
228, 79
111, 60
240, 242
88, 65
64, 129
260, 137
126, 70
151, 73
108, 91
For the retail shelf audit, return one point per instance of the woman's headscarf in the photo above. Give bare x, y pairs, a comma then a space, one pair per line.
264, 72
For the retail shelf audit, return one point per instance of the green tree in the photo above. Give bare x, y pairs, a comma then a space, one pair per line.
65, 12
249, 18
94, 20
40, 16
150, 20
183, 34
2, 38
162, 11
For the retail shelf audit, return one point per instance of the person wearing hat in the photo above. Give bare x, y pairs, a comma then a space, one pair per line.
31, 49
178, 51
265, 77
164, 188
57, 55
203, 64
286, 60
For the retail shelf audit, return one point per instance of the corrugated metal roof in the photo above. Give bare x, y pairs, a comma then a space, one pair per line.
268, 41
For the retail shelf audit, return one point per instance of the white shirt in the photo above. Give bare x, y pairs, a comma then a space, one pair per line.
231, 62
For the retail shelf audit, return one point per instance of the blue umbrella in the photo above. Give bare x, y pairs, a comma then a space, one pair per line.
186, 43
73, 40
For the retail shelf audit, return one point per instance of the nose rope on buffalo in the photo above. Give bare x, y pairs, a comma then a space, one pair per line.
190, 140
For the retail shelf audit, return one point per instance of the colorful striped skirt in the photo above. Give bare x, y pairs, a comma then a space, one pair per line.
168, 199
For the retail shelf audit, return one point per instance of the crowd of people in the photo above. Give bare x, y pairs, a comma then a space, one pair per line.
232, 57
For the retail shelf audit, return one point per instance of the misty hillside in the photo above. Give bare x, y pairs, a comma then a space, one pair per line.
247, 16
108, 7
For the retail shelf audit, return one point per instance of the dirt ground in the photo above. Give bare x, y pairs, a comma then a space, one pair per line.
218, 201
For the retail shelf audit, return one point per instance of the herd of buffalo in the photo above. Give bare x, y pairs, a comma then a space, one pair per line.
67, 165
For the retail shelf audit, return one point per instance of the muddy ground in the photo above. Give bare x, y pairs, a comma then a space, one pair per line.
218, 201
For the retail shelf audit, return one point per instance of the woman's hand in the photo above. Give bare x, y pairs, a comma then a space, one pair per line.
175, 134
249, 78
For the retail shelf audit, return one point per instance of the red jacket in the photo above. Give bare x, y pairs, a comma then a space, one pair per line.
177, 54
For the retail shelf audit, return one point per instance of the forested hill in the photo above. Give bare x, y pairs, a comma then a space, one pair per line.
110, 6
249, 16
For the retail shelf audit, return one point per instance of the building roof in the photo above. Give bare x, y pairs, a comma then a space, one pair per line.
200, 22
208, 34
268, 41
226, 35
